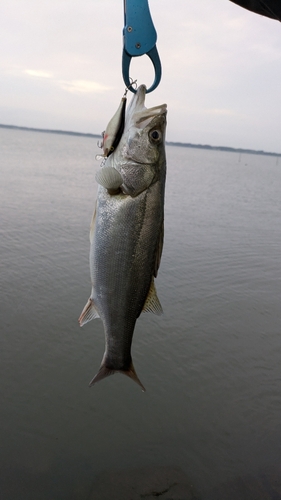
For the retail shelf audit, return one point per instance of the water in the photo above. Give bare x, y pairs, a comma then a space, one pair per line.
211, 364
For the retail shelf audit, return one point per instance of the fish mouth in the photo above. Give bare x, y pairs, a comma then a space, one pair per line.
138, 98
137, 114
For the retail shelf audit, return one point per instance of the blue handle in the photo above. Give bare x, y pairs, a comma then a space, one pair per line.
140, 38
139, 33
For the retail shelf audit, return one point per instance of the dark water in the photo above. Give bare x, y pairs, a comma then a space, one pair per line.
211, 364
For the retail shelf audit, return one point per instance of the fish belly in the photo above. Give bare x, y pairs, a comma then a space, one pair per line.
122, 261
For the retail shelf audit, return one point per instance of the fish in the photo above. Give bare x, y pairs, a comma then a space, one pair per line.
127, 233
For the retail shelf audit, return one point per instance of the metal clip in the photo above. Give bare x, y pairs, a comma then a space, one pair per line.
139, 37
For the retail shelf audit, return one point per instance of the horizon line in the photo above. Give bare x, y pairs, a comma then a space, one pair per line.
169, 143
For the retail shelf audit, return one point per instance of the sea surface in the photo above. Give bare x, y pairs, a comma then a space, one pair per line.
211, 364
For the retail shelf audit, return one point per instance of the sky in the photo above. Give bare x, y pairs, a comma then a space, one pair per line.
60, 68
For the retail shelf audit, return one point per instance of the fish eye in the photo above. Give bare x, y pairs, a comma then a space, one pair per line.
155, 135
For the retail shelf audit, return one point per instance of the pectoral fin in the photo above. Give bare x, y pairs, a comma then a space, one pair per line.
110, 179
89, 312
152, 303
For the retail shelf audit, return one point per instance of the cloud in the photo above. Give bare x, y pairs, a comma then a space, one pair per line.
83, 86
75, 86
38, 74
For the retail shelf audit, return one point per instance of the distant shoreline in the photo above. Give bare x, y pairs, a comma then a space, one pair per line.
49, 131
169, 143
222, 148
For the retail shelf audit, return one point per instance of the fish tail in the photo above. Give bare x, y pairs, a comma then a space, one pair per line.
105, 372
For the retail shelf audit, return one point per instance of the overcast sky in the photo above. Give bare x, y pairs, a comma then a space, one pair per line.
60, 68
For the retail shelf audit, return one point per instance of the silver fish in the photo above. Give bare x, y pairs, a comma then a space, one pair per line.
126, 234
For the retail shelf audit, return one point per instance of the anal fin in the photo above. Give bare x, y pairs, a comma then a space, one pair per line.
152, 303
89, 312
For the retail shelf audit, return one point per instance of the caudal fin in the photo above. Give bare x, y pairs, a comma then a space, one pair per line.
105, 372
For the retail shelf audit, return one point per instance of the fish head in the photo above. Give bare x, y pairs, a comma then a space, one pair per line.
144, 133
145, 140
140, 154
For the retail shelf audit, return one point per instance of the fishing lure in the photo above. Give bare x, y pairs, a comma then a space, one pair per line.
114, 130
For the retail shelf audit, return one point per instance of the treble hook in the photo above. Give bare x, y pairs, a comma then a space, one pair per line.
132, 82
139, 37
